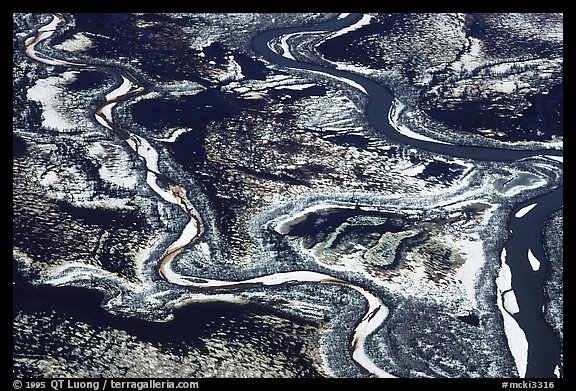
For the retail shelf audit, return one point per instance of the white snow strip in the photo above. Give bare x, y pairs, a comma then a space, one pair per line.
342, 79
351, 68
271, 79
282, 278
342, 16
336, 122
365, 20
255, 87
74, 272
349, 130
295, 86
166, 195
393, 116
557, 158
404, 130
97, 35
252, 95
210, 298
534, 262
269, 280
111, 203
502, 68
177, 133
525, 210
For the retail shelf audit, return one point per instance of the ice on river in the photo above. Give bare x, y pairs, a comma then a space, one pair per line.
534, 262
524, 210
517, 341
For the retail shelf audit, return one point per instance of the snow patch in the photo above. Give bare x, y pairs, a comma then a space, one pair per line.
200, 43
79, 42
364, 21
473, 58
205, 249
352, 68
467, 273
51, 178
114, 166
506, 87
234, 70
